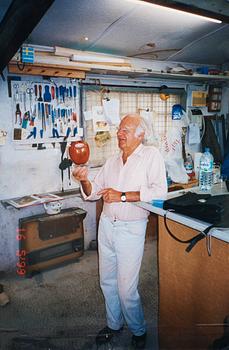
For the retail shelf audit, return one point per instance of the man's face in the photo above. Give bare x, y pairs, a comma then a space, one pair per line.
126, 134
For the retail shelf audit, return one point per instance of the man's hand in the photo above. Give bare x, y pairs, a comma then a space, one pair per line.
80, 173
110, 195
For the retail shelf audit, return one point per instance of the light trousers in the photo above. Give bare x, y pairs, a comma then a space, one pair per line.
121, 247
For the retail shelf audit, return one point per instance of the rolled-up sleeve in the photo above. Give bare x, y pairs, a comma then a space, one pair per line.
156, 183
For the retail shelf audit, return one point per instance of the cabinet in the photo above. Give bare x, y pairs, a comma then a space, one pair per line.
214, 98
48, 240
193, 290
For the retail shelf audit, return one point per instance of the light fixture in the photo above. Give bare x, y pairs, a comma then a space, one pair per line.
167, 8
98, 58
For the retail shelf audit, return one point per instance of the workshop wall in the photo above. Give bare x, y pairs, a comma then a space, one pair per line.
25, 170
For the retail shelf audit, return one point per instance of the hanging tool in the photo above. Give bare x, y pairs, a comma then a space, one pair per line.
30, 91
75, 131
33, 133
46, 111
70, 93
68, 132
39, 110
24, 87
74, 95
65, 163
40, 93
18, 114
40, 145
61, 91
53, 92
25, 120
16, 92
47, 95
57, 95
35, 91
43, 116
55, 131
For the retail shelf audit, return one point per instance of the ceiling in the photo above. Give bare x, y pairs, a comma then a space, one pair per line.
131, 28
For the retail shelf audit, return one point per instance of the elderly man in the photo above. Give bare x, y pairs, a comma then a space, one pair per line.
137, 173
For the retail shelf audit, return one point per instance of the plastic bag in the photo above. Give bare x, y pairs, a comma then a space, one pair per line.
171, 150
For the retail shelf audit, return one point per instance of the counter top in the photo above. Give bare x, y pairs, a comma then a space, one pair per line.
222, 234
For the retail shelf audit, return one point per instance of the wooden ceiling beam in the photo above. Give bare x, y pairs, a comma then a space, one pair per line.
19, 21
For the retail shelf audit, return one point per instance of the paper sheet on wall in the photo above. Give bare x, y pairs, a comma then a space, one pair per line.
111, 110
193, 136
99, 121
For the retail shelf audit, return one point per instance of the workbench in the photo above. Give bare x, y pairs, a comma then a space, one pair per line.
193, 287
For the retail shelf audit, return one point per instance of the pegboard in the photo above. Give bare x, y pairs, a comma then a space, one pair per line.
44, 112
130, 102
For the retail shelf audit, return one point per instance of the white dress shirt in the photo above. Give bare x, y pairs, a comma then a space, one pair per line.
144, 171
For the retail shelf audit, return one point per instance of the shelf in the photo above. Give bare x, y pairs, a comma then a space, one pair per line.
148, 73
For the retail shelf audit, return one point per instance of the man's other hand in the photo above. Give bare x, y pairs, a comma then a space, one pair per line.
110, 195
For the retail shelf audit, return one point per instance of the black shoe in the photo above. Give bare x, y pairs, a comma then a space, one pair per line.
139, 341
106, 334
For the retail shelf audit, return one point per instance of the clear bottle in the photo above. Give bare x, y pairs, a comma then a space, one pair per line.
206, 171
188, 164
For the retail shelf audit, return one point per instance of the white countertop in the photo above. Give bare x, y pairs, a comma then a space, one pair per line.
222, 234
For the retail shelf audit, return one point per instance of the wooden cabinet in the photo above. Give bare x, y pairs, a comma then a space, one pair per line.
193, 290
214, 98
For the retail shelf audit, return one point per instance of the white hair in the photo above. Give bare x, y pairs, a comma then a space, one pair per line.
146, 128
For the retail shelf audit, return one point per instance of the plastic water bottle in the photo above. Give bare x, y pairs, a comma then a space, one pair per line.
206, 171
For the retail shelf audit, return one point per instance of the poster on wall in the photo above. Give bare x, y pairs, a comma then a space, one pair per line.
44, 111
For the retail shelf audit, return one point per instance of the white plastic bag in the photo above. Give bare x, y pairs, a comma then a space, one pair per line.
171, 150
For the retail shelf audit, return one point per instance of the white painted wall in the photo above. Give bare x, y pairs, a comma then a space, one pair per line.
27, 171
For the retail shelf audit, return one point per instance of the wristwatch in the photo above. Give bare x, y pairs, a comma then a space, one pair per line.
123, 197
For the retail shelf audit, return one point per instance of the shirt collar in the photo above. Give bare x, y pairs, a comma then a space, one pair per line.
138, 151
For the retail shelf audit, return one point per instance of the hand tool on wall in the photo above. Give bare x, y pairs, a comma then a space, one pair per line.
53, 92
33, 133
61, 93
57, 95
55, 131
39, 110
18, 114
75, 131
74, 95
43, 116
68, 132
24, 87
46, 111
25, 120
40, 145
40, 93
16, 92
35, 91
70, 93
30, 91
47, 95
